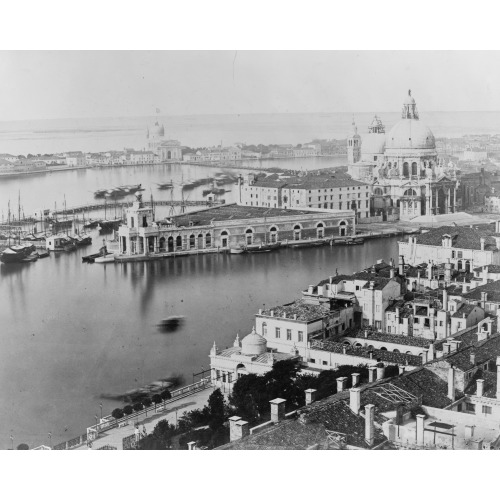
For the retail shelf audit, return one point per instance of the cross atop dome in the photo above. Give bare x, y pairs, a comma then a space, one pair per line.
409, 108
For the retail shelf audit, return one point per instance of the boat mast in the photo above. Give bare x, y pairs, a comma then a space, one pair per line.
19, 216
9, 222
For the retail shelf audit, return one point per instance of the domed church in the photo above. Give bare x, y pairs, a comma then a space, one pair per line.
166, 149
407, 177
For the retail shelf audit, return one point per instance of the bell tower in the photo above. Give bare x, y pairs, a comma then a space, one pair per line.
353, 145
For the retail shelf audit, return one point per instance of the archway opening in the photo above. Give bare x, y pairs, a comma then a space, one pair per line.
249, 236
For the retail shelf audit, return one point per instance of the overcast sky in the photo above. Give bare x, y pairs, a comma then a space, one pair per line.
38, 85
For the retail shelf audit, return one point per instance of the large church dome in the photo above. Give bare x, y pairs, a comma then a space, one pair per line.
157, 130
410, 134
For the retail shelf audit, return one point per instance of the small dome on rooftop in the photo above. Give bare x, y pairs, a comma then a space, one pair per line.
253, 344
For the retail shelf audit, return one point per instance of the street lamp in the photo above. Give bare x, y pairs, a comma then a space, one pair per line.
96, 428
100, 405
12, 441
50, 440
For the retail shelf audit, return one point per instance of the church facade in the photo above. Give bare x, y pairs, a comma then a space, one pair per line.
164, 149
402, 166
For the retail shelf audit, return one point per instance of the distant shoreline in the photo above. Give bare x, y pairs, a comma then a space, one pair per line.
200, 164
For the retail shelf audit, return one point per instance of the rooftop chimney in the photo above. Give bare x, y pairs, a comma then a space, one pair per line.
272, 312
341, 384
479, 387
380, 372
284, 315
331, 280
473, 358
277, 409
372, 370
355, 400
310, 396
482, 240
372, 285
233, 435
485, 275
451, 383
192, 445
369, 424
484, 298
401, 266
260, 311
498, 378
391, 273
446, 348
420, 430
355, 379
445, 300
401, 369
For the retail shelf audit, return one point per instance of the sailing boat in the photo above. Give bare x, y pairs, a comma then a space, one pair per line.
16, 253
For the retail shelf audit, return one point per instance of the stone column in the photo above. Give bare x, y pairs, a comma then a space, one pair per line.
420, 430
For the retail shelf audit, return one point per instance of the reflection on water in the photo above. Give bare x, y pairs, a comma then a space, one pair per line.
71, 331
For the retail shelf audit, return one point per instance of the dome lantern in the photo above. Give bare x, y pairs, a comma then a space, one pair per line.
409, 108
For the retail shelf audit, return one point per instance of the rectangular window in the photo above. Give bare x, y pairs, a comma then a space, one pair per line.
312, 360
459, 255
486, 410
415, 320
378, 325
388, 329
278, 333
325, 363
301, 336
289, 334
377, 308
264, 329
470, 407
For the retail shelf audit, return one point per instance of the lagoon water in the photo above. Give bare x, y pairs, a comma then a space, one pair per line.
71, 331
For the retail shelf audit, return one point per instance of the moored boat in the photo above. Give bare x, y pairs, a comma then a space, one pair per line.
104, 259
16, 253
237, 250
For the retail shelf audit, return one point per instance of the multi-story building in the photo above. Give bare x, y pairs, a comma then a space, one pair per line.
324, 191
141, 157
76, 161
465, 247
290, 327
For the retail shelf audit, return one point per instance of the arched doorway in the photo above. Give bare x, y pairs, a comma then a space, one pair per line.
170, 244
200, 241
320, 230
241, 370
249, 236
208, 240
467, 266
169, 155
273, 234
162, 244
192, 240
342, 228
414, 168
224, 238
297, 231
178, 242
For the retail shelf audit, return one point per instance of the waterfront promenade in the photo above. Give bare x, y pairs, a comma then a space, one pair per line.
113, 438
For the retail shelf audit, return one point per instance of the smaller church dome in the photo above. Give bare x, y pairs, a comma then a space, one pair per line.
253, 344
157, 130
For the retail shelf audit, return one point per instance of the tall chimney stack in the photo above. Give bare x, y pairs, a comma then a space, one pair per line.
401, 265
451, 383
355, 400
479, 387
369, 424
445, 300
482, 241
498, 378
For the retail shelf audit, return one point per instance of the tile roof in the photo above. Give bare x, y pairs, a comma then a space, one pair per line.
489, 386
365, 352
484, 351
464, 309
492, 289
387, 337
462, 237
303, 310
235, 212
490, 267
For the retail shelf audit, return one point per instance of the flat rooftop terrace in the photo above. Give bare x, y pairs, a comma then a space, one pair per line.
237, 212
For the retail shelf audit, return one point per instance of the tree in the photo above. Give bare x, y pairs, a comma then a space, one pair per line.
156, 399
166, 394
128, 410
147, 402
137, 406
23, 446
160, 438
117, 413
216, 409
